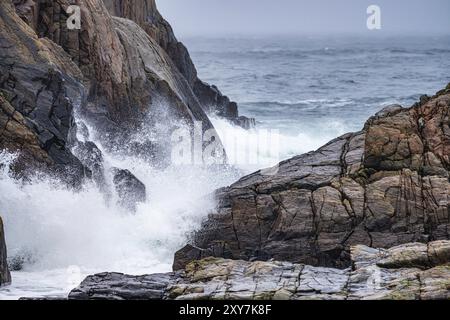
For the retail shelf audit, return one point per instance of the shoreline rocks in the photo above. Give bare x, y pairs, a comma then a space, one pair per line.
377, 274
381, 187
135, 74
39, 89
130, 190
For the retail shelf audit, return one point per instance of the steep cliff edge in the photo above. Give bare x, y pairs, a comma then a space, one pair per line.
408, 272
119, 95
383, 186
147, 16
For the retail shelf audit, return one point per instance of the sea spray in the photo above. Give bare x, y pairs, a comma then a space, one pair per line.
53, 231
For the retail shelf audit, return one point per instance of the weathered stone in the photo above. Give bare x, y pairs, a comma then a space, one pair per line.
146, 15
150, 287
435, 283
218, 279
92, 158
384, 186
39, 87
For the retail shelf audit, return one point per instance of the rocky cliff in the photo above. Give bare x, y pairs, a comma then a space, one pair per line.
309, 228
407, 272
5, 277
147, 16
125, 83
123, 69
39, 86
383, 186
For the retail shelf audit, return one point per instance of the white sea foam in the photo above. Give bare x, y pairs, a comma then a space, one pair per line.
282, 144
56, 229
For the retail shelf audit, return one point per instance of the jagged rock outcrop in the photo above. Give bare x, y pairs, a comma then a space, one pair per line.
135, 73
383, 186
408, 272
39, 87
147, 16
5, 276
130, 190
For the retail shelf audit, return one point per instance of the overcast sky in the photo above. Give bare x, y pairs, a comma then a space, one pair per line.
256, 17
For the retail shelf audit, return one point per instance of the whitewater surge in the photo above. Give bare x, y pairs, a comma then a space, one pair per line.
60, 235
57, 236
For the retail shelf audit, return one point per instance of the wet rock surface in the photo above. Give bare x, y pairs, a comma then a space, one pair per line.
130, 190
383, 186
146, 15
39, 88
5, 276
370, 278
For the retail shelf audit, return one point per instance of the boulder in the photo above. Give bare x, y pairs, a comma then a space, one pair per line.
119, 73
218, 279
383, 186
130, 190
92, 158
5, 276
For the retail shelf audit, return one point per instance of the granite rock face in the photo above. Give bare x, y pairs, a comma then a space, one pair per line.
5, 276
407, 272
147, 16
39, 88
130, 69
383, 186
122, 70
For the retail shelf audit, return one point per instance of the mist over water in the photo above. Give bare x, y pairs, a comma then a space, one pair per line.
321, 86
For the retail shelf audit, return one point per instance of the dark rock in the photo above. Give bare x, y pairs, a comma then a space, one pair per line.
407, 276
92, 158
129, 189
190, 253
384, 186
128, 74
244, 122
101, 287
5, 276
215, 103
39, 87
146, 15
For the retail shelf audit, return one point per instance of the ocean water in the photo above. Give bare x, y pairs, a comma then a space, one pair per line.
315, 88
308, 89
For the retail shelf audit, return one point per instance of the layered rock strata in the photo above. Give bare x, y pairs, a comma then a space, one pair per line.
383, 186
39, 89
408, 272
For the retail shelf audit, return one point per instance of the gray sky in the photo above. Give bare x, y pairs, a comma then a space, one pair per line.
256, 17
